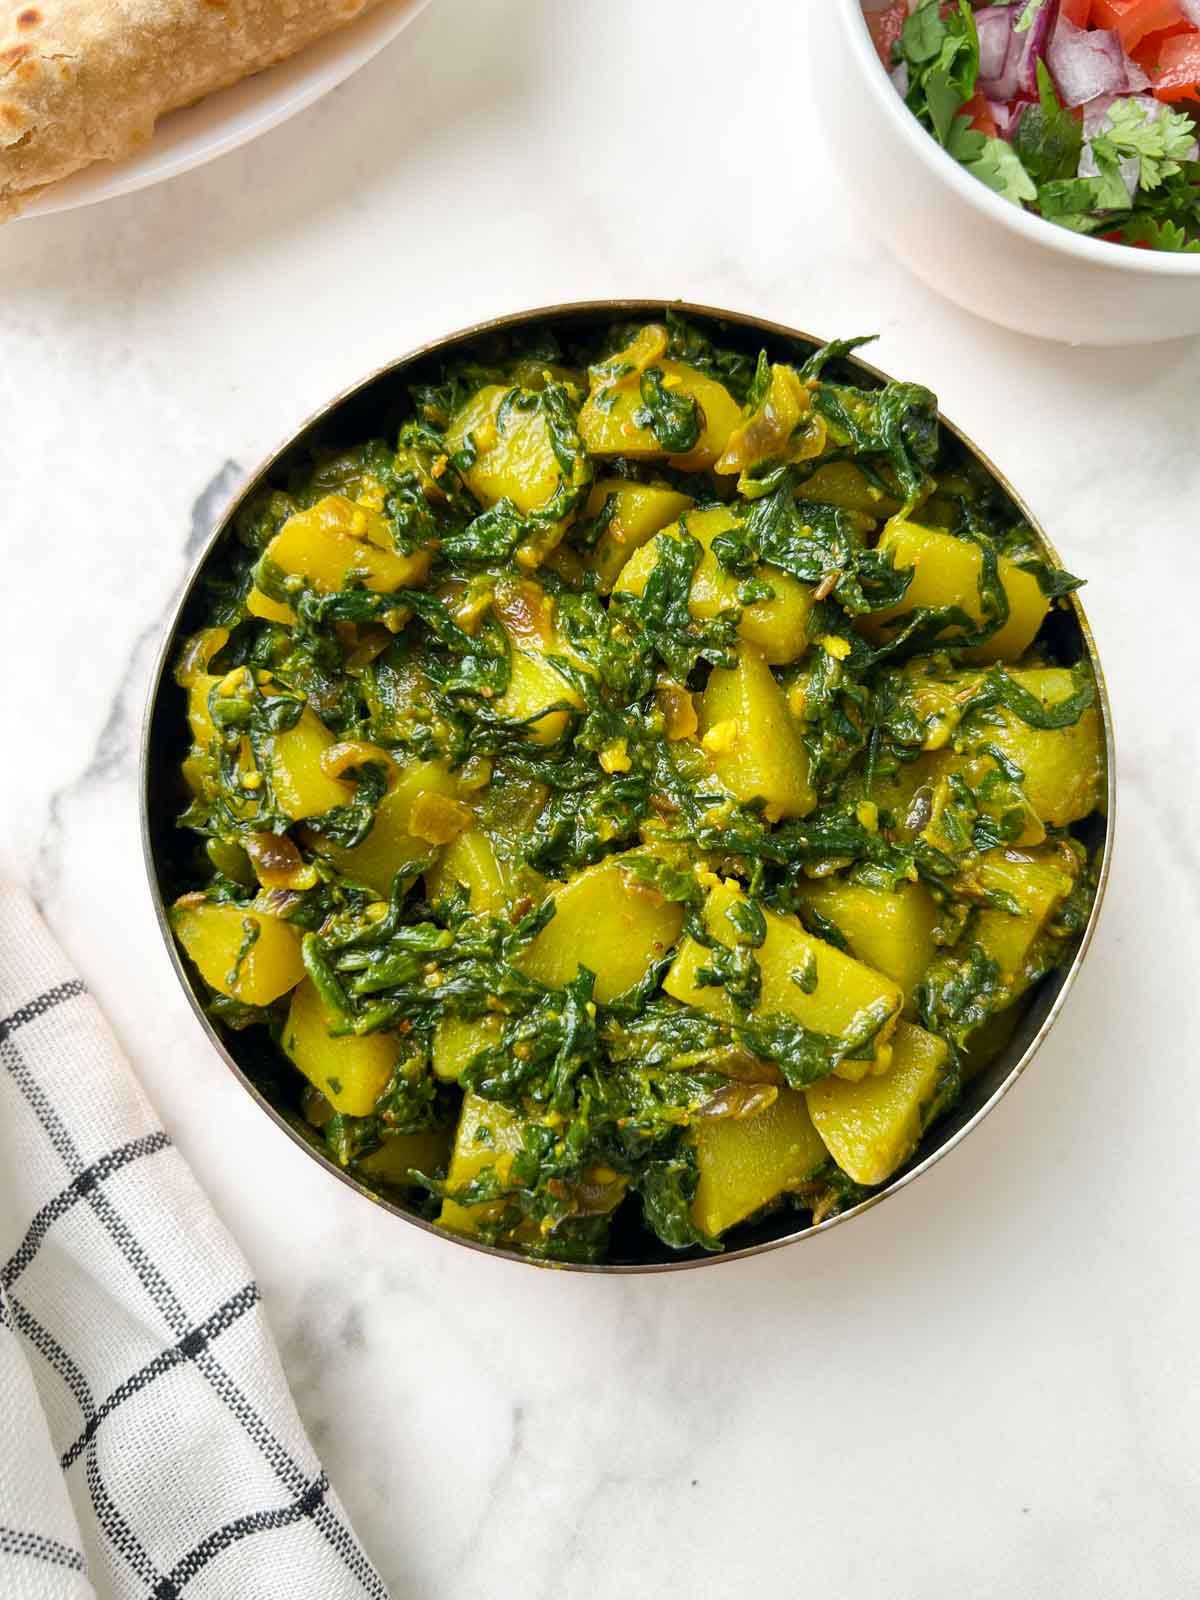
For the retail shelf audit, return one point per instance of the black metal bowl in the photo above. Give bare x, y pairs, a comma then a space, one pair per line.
373, 406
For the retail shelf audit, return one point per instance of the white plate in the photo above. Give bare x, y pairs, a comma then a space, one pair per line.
220, 122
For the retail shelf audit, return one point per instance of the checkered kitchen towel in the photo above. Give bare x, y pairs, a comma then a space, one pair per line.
148, 1443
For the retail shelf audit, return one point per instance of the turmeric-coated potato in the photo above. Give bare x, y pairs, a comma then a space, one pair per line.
401, 1154
841, 483
890, 929
301, 785
489, 1135
611, 424
746, 1162
336, 544
753, 743
1063, 768
872, 1127
633, 513
470, 861
946, 572
391, 846
261, 605
802, 977
1035, 882
458, 1040
607, 920
351, 1071
538, 696
240, 951
776, 626
513, 456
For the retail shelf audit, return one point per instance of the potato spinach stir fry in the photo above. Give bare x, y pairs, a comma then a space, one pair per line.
636, 793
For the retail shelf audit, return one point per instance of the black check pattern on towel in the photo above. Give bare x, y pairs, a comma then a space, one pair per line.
14, 1542
187, 1343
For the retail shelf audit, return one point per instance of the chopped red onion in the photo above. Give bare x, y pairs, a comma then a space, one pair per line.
994, 27
1006, 117
1086, 63
1001, 114
1016, 74
1135, 79
899, 76
1032, 45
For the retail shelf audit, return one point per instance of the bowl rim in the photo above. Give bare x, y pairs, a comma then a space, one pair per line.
164, 656
1081, 247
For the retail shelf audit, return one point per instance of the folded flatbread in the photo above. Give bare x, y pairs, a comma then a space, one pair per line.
86, 80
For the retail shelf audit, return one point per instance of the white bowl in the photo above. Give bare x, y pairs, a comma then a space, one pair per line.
960, 238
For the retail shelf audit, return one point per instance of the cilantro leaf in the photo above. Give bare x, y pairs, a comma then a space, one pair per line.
992, 161
922, 34
1158, 143
1160, 235
1073, 202
942, 54
1048, 138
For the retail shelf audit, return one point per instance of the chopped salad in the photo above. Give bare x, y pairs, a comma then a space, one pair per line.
1082, 111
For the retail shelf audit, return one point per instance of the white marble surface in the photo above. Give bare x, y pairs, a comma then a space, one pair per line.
986, 1387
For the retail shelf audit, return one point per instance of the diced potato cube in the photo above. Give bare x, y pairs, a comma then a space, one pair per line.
746, 1162
337, 541
471, 861
489, 1135
842, 483
842, 992
514, 456
402, 1153
238, 950
1039, 883
890, 929
533, 686
261, 605
638, 511
872, 1127
389, 848
1063, 767
608, 921
351, 1071
752, 740
457, 1039
778, 627
606, 422
302, 788
946, 572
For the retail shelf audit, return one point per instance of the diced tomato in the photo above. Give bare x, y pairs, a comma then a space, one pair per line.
1147, 53
980, 114
1177, 76
1077, 11
1134, 19
885, 27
